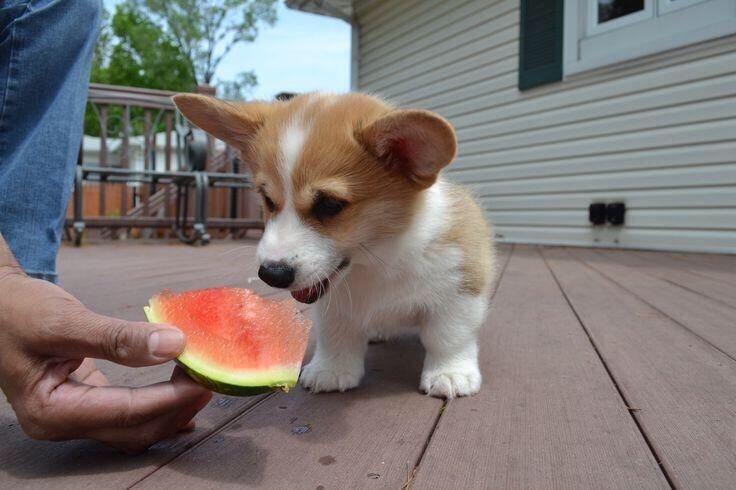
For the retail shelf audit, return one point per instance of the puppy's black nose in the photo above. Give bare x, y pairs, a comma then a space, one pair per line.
277, 274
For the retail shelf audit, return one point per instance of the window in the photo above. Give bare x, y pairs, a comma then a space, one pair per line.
605, 15
602, 32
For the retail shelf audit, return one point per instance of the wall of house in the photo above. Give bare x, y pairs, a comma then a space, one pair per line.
658, 133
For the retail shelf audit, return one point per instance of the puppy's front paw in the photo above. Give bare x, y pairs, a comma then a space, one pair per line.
321, 376
451, 383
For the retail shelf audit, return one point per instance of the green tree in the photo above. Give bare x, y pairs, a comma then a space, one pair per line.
144, 56
173, 45
102, 48
133, 51
237, 89
206, 30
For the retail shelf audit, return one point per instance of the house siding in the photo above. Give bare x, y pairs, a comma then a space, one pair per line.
658, 133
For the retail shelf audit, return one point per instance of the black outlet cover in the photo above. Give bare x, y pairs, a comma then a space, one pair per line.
597, 213
616, 213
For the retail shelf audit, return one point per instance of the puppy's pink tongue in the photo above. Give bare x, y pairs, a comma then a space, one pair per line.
308, 295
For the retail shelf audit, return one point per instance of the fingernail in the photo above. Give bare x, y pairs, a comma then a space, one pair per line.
166, 343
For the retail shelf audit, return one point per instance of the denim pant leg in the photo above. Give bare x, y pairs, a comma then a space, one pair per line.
46, 49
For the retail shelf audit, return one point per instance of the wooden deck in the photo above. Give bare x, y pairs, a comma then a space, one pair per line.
603, 369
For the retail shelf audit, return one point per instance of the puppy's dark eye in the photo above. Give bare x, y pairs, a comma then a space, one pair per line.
268, 202
325, 207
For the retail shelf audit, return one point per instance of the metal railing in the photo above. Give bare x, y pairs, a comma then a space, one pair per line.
175, 185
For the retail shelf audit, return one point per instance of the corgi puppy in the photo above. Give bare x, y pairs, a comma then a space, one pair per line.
360, 223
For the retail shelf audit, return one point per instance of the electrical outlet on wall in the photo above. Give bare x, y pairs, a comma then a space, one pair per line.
613, 213
597, 213
616, 213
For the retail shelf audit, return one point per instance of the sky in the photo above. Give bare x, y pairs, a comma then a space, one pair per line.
301, 52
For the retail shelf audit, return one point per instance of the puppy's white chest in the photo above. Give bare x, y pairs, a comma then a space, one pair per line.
393, 297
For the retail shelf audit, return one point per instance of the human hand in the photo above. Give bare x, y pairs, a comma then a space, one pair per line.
46, 340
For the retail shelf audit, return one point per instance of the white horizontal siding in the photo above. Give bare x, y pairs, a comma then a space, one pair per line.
654, 199
463, 27
657, 133
468, 55
648, 239
699, 219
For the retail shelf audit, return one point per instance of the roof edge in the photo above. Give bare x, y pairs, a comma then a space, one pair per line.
339, 9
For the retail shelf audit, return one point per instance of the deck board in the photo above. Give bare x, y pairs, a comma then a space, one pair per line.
711, 320
718, 267
548, 415
683, 389
675, 272
118, 279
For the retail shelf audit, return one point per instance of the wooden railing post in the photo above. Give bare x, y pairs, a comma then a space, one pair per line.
167, 193
125, 158
146, 157
103, 158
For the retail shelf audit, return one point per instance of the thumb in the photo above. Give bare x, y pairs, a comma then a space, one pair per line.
129, 343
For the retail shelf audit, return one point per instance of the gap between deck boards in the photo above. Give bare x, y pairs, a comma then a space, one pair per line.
656, 308
203, 440
632, 410
508, 251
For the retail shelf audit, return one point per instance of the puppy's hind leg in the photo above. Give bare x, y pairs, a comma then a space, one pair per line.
450, 338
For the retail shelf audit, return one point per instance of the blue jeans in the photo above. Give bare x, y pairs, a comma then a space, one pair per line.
46, 49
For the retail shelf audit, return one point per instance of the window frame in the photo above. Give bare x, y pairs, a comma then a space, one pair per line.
594, 27
670, 26
667, 6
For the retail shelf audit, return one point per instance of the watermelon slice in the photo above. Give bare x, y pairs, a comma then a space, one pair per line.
237, 342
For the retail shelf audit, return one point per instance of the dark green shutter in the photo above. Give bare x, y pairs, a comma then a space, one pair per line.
540, 42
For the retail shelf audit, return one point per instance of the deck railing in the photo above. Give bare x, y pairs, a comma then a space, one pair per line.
148, 169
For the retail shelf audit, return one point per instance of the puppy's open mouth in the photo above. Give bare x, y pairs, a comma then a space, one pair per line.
314, 292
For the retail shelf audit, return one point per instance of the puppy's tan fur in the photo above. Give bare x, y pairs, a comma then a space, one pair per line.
470, 232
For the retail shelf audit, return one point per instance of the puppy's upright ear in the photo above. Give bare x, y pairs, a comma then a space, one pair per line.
235, 123
417, 144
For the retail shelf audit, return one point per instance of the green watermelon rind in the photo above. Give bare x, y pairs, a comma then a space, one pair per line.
226, 388
245, 383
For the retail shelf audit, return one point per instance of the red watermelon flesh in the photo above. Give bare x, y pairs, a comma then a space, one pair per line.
237, 342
